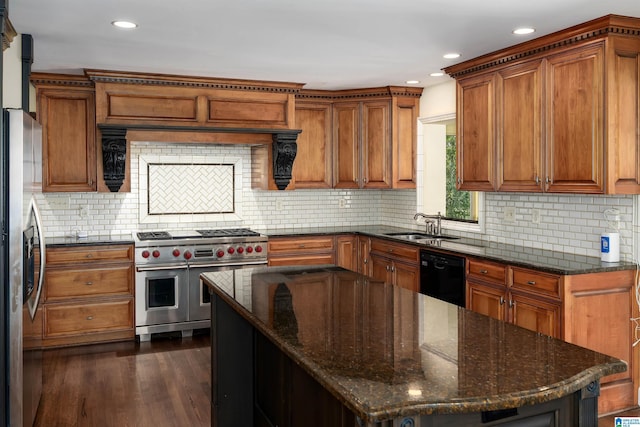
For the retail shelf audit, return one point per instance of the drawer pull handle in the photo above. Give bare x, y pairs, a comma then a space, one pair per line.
483, 271
89, 283
89, 255
89, 317
301, 245
531, 282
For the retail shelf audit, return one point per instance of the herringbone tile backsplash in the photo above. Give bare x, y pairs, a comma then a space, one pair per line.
190, 188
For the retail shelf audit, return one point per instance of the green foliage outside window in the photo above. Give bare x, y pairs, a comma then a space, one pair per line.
458, 202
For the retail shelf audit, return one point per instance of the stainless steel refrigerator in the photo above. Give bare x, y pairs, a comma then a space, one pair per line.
24, 256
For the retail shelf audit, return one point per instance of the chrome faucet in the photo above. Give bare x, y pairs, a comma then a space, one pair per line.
432, 227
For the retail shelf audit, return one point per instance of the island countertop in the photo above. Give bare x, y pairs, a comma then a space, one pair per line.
387, 352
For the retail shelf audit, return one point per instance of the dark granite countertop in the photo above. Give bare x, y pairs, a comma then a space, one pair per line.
539, 259
92, 239
387, 352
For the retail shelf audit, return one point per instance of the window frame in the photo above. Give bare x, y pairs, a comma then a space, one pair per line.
461, 226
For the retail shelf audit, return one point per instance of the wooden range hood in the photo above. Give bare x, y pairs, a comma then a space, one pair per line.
169, 108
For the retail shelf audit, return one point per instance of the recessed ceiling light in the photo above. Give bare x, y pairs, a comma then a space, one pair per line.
436, 74
413, 82
523, 31
124, 24
451, 55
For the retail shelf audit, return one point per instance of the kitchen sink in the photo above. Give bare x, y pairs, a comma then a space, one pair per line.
420, 236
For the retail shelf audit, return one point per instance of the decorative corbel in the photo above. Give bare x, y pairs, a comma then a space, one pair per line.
114, 154
285, 149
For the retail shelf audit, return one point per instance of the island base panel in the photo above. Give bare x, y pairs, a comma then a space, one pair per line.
232, 366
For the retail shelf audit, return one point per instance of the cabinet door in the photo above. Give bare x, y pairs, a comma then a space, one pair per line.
519, 122
476, 133
380, 268
312, 166
364, 247
404, 141
347, 252
575, 120
376, 144
68, 139
406, 275
536, 315
623, 116
346, 145
487, 300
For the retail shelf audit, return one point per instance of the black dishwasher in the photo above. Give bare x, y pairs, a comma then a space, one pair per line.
442, 277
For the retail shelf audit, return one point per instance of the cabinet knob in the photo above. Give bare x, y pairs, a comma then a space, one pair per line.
537, 179
365, 261
393, 269
531, 282
548, 180
89, 317
501, 300
512, 303
301, 245
89, 255
89, 283
483, 271
387, 267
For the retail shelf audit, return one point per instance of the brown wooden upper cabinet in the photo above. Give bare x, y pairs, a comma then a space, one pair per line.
553, 114
371, 138
362, 135
66, 110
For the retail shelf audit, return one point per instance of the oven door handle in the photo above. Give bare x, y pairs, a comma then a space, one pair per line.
237, 264
161, 267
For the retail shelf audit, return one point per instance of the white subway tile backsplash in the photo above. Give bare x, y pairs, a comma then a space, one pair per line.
568, 223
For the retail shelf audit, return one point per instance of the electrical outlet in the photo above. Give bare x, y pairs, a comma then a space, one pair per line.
279, 206
535, 216
510, 214
62, 202
342, 203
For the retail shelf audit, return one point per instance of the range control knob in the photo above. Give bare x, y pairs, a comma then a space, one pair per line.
240, 249
176, 252
220, 253
156, 253
231, 250
145, 254
258, 248
249, 249
187, 255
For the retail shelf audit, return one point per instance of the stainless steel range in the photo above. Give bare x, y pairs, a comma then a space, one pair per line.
169, 293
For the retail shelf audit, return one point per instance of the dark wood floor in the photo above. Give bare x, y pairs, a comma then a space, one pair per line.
165, 382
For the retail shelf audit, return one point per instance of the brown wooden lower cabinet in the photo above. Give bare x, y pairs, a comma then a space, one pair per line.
591, 310
301, 250
88, 295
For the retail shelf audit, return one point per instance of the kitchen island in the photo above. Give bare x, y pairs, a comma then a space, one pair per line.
323, 346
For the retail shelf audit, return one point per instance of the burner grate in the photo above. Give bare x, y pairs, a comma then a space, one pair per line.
153, 235
228, 232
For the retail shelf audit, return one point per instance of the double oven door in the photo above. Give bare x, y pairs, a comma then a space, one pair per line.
162, 295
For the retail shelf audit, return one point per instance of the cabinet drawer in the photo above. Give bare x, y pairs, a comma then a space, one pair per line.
78, 283
77, 254
317, 259
488, 271
396, 251
87, 318
296, 244
535, 281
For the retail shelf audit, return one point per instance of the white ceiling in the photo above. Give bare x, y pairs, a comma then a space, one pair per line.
327, 44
